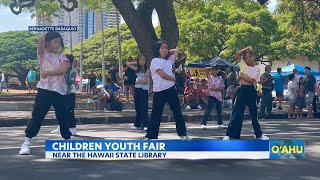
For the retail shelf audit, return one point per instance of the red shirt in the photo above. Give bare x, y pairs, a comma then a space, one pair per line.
193, 92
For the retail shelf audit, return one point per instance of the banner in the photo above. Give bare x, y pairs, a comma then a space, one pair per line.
198, 73
53, 28
174, 149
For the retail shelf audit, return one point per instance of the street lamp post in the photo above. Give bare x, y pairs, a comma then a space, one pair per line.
81, 46
119, 46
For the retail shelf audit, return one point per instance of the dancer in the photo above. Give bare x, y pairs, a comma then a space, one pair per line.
70, 98
141, 92
246, 96
51, 88
214, 93
164, 90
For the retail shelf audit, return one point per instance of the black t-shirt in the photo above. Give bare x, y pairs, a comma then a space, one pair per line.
113, 73
92, 79
131, 75
181, 74
308, 83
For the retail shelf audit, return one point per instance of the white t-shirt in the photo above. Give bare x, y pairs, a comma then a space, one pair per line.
160, 84
2, 77
292, 90
252, 72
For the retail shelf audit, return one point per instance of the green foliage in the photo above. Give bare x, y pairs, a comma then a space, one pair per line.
299, 21
92, 49
220, 28
18, 53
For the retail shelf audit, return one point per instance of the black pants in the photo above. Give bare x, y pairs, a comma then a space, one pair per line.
141, 106
159, 99
246, 95
266, 102
43, 102
70, 103
211, 101
314, 104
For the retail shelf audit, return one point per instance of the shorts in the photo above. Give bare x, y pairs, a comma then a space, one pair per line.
32, 85
309, 98
292, 101
129, 82
279, 94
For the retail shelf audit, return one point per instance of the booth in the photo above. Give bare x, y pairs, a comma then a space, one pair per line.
197, 69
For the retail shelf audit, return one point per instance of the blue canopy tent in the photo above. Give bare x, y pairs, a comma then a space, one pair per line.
217, 60
289, 69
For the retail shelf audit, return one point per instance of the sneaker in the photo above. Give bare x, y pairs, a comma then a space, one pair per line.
135, 128
73, 131
185, 138
56, 130
188, 107
226, 138
221, 126
199, 107
280, 108
263, 137
25, 149
203, 126
145, 129
147, 139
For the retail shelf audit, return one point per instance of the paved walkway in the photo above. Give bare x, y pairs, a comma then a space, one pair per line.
36, 166
21, 118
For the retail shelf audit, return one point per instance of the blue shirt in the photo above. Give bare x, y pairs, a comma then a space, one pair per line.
278, 82
31, 76
111, 89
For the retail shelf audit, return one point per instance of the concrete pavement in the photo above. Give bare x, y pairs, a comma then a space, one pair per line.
21, 118
35, 166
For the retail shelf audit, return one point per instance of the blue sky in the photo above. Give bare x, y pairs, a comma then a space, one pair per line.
13, 22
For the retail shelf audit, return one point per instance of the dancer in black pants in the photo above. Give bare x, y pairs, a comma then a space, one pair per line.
141, 92
164, 91
245, 96
51, 88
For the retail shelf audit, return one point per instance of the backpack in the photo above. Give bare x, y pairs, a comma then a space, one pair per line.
116, 106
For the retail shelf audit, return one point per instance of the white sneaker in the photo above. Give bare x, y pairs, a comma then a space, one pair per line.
226, 138
221, 126
199, 107
188, 107
263, 137
147, 139
25, 149
185, 138
203, 126
56, 130
73, 131
134, 128
145, 129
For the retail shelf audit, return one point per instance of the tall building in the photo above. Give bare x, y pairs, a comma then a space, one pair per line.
91, 23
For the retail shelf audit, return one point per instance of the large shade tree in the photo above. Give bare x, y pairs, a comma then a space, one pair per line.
18, 53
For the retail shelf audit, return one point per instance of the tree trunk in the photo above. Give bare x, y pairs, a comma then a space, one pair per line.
137, 27
168, 22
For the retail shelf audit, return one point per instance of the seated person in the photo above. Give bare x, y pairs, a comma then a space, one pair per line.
112, 91
202, 95
231, 91
191, 95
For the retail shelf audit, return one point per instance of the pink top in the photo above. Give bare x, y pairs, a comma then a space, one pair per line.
49, 62
215, 82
